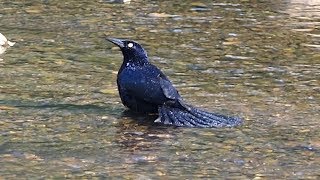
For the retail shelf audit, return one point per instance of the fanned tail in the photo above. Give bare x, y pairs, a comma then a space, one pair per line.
188, 116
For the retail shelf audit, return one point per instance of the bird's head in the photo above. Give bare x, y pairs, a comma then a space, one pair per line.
131, 50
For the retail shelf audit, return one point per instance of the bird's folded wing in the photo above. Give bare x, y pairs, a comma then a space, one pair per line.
169, 91
149, 84
144, 88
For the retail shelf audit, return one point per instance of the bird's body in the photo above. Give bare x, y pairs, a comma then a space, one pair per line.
139, 87
144, 88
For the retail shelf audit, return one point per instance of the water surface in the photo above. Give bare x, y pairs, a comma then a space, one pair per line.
61, 116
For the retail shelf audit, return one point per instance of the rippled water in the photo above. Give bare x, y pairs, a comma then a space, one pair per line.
61, 116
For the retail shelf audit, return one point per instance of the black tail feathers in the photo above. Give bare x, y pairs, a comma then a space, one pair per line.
188, 116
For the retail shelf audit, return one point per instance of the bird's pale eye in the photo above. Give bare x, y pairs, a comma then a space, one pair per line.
130, 45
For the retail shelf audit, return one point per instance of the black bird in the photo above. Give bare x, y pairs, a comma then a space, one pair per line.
144, 88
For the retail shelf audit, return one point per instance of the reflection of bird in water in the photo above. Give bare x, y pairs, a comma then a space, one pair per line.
4, 44
134, 137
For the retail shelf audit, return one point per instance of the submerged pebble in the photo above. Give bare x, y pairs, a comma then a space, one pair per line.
4, 43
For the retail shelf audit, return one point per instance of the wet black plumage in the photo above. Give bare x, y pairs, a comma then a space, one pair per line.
144, 88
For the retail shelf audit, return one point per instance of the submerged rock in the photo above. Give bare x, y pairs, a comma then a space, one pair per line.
4, 44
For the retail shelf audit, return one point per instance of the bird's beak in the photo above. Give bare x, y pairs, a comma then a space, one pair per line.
117, 42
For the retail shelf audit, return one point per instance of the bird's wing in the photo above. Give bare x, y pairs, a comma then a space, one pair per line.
148, 84
167, 88
142, 84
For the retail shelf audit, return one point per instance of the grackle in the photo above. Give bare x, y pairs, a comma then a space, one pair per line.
144, 88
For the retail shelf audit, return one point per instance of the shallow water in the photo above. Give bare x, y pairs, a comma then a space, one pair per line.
61, 116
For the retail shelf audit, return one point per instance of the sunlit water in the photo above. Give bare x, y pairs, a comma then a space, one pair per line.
61, 116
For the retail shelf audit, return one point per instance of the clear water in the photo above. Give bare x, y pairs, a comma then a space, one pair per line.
61, 116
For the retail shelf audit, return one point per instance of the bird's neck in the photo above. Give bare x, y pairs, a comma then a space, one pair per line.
135, 59
135, 62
